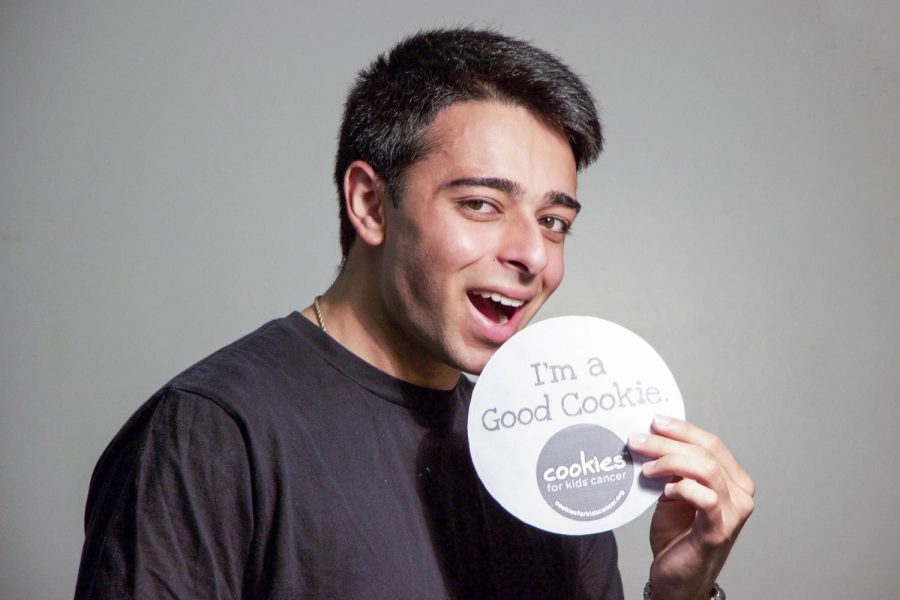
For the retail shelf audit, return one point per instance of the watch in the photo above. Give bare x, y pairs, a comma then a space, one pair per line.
716, 593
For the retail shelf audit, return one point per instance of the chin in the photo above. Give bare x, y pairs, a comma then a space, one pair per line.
474, 362
473, 370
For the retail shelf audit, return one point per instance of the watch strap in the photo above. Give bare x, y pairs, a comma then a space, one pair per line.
716, 593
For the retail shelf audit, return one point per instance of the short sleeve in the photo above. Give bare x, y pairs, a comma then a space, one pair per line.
170, 509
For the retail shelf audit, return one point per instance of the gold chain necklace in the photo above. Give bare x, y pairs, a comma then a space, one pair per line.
319, 316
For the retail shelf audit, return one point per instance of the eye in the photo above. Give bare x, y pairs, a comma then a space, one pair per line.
555, 224
479, 206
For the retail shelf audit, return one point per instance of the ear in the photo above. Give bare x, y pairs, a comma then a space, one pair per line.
364, 196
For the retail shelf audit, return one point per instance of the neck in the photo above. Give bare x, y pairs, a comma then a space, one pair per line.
355, 316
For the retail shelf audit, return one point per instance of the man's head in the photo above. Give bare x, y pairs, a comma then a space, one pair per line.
398, 96
457, 170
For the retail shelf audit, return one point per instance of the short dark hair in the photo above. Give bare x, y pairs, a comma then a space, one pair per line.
396, 97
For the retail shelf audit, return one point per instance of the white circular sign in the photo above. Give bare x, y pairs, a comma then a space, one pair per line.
550, 417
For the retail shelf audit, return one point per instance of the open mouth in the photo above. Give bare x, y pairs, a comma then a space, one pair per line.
495, 307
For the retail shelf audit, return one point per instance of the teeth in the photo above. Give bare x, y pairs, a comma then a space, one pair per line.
501, 299
502, 319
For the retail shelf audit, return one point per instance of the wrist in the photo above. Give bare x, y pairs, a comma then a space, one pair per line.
716, 593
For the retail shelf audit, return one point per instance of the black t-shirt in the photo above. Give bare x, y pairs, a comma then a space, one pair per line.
284, 466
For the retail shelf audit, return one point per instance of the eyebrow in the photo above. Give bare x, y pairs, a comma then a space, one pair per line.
565, 200
507, 186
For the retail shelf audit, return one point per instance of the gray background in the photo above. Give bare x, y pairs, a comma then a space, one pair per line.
164, 188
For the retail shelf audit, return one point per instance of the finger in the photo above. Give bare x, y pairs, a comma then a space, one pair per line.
705, 471
708, 524
654, 446
697, 495
716, 522
689, 433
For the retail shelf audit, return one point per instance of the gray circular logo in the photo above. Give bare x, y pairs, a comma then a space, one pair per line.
585, 472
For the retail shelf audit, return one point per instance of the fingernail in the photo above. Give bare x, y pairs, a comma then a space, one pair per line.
637, 438
670, 487
663, 422
650, 464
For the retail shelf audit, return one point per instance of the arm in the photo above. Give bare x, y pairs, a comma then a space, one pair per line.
170, 511
701, 511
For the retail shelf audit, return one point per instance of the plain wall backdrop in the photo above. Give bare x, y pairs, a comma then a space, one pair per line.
165, 187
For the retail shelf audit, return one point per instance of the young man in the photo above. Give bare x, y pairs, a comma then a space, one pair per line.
325, 455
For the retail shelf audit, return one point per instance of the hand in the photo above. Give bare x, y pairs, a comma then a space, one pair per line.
701, 511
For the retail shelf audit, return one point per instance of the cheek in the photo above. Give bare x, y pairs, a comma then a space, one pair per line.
423, 260
450, 249
555, 270
466, 247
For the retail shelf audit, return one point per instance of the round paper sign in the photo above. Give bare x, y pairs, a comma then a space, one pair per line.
550, 417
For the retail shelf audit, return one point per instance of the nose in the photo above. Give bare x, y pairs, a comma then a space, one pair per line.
522, 246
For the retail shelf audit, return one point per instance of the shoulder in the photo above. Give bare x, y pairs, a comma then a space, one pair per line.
213, 407
171, 425
265, 367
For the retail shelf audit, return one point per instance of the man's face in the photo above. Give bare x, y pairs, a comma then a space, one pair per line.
476, 245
